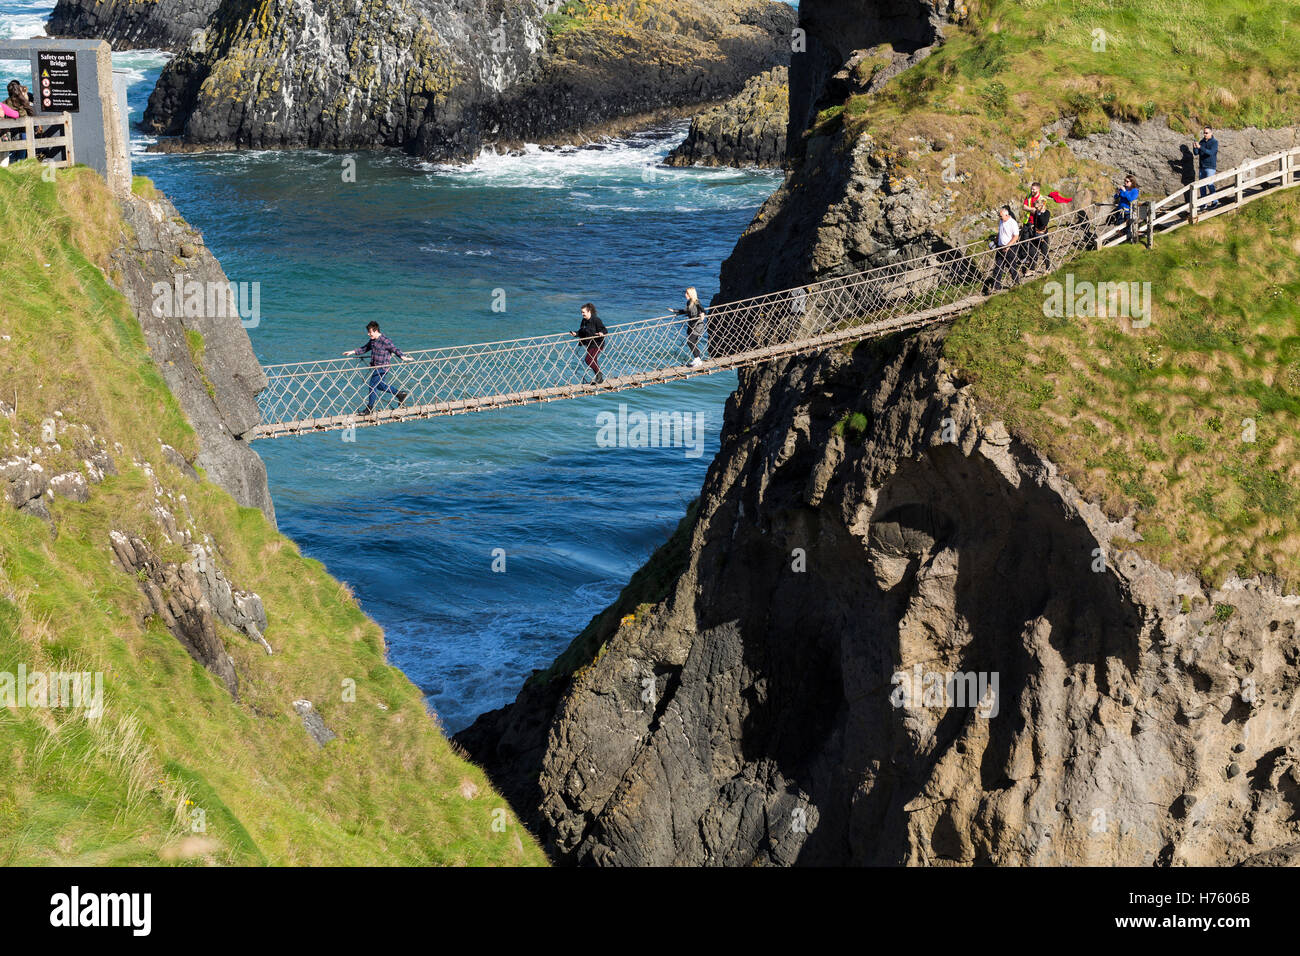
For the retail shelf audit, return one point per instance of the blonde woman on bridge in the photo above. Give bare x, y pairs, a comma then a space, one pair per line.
694, 313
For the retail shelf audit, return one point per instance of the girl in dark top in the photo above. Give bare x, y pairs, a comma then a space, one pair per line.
591, 335
694, 313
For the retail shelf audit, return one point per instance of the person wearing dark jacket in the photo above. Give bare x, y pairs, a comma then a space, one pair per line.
591, 336
1036, 248
694, 313
381, 349
1207, 155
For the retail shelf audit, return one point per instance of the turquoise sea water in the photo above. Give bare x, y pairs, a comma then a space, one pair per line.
411, 516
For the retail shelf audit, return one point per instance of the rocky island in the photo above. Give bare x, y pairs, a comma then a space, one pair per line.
442, 82
747, 130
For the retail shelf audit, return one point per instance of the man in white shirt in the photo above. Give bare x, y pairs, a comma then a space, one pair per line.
1005, 258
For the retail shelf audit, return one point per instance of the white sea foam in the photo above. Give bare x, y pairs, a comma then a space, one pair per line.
140, 64
561, 168
20, 19
623, 176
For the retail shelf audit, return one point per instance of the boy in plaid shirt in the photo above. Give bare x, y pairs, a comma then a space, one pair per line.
381, 349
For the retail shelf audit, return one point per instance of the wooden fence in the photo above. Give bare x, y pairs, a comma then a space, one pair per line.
23, 139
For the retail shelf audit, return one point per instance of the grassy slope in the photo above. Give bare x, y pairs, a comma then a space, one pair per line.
123, 789
1013, 67
1157, 417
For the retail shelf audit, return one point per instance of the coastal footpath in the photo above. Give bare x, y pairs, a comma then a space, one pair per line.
1020, 589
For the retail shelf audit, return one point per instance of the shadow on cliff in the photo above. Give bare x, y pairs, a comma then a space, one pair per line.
956, 571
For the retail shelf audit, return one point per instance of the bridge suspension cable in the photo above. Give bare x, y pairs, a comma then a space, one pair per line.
305, 397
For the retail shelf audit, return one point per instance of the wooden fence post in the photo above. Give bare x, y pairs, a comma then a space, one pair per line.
69, 158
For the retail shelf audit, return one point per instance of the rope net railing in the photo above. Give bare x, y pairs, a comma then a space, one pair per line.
334, 393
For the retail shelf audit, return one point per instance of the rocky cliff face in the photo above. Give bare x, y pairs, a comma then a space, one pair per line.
132, 24
194, 329
897, 634
851, 211
783, 704
855, 199
1161, 158
747, 130
834, 29
441, 79
643, 60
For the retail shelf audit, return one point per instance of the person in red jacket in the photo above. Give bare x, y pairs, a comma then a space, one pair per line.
1035, 194
1036, 248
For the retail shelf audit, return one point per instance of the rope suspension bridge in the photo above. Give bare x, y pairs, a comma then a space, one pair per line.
308, 397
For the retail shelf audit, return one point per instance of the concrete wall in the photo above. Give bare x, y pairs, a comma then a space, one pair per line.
99, 133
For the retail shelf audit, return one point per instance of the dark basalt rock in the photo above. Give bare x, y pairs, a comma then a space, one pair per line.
747, 130
752, 716
441, 80
592, 77
132, 24
836, 28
